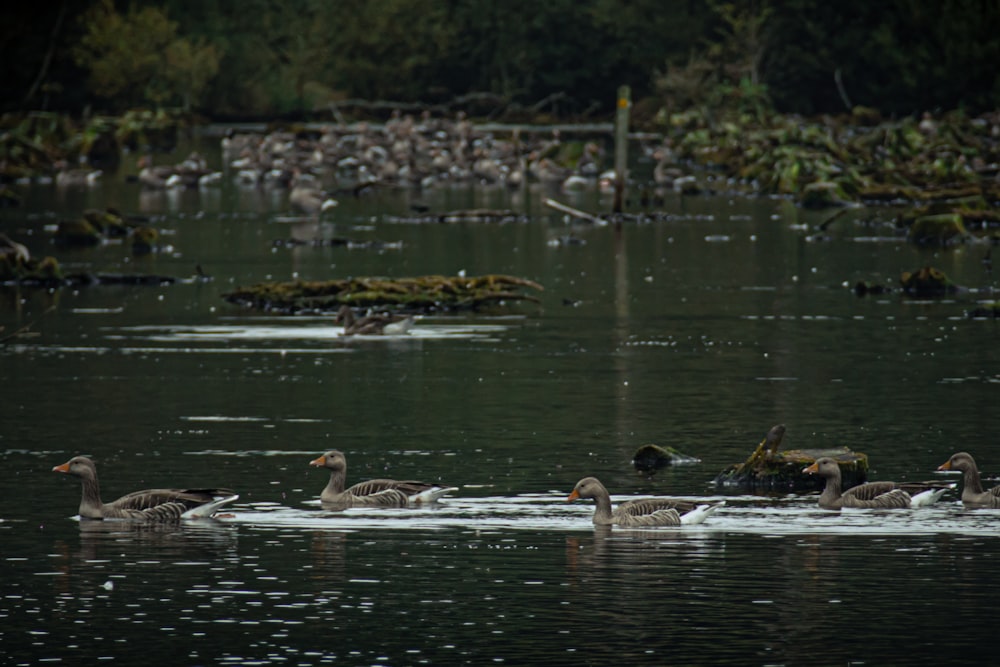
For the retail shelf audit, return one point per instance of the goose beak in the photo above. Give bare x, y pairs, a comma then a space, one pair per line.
319, 463
945, 466
811, 469
573, 496
63, 468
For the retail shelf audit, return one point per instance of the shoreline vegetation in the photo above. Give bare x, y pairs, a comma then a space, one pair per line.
891, 106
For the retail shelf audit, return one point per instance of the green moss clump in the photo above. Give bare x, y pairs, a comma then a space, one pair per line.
420, 294
927, 282
938, 230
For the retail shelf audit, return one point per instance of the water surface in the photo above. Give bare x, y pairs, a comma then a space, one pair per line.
699, 329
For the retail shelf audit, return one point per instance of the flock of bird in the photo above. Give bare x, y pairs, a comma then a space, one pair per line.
154, 505
315, 166
405, 151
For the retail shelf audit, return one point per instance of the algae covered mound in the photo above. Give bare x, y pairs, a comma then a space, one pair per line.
768, 469
419, 294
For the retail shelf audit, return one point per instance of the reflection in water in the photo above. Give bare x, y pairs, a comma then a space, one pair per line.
518, 580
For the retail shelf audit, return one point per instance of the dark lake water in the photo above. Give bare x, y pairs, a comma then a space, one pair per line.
699, 329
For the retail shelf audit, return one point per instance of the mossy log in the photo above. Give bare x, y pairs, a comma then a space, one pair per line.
49, 276
466, 215
822, 194
767, 469
77, 233
927, 282
419, 294
988, 310
943, 229
650, 458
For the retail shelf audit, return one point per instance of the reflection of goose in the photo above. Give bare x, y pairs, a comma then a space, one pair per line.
884, 495
148, 505
642, 511
972, 493
373, 325
374, 492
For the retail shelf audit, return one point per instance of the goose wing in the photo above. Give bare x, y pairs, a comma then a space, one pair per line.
869, 491
890, 499
652, 512
168, 504
383, 498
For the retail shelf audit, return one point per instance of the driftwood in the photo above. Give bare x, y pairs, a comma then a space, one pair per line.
576, 213
466, 215
767, 469
420, 294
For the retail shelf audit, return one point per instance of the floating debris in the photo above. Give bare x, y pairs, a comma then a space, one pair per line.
469, 215
420, 294
767, 469
650, 458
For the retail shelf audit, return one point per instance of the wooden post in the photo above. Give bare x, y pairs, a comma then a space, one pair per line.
621, 145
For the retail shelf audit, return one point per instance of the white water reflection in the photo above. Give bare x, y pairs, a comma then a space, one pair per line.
304, 331
551, 512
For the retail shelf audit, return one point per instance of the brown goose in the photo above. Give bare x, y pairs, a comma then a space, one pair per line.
972, 493
308, 198
641, 511
373, 325
148, 505
873, 495
374, 492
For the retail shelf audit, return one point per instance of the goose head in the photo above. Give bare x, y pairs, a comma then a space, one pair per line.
824, 467
962, 461
588, 487
332, 460
78, 466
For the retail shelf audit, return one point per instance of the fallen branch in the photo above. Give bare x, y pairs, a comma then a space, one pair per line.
576, 213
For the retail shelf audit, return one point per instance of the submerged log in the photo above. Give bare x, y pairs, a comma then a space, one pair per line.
420, 294
650, 458
767, 469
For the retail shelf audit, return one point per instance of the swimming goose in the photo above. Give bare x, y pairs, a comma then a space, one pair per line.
641, 511
374, 492
883, 495
373, 325
148, 505
972, 493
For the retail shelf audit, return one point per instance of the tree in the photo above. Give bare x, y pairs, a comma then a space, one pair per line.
138, 58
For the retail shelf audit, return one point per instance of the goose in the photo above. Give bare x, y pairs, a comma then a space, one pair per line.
66, 177
641, 511
307, 198
153, 177
373, 325
149, 505
972, 493
874, 495
374, 492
